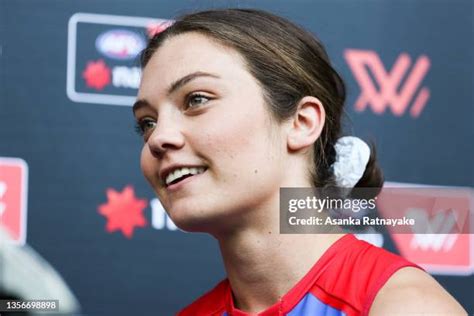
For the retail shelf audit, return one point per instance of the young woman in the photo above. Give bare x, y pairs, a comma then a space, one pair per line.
233, 105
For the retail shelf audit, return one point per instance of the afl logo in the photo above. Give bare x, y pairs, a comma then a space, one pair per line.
120, 44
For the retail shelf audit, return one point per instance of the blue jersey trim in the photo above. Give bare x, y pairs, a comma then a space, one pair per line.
310, 305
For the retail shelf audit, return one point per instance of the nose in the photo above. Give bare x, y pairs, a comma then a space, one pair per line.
166, 136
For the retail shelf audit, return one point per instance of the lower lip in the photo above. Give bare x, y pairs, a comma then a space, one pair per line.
177, 186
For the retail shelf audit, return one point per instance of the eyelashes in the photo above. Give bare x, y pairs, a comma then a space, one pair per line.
195, 100
144, 126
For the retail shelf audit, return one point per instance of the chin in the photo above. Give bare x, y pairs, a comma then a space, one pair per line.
192, 224
187, 219
195, 219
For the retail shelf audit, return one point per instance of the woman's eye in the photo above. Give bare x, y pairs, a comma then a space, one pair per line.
195, 100
144, 126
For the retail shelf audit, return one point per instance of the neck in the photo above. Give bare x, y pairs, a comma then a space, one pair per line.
262, 264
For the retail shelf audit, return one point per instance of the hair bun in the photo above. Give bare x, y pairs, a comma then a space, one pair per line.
372, 177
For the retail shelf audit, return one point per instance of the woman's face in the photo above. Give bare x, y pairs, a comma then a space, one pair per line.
199, 108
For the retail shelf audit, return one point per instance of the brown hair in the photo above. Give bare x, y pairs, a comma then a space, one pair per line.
289, 63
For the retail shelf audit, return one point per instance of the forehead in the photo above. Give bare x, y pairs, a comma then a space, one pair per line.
191, 52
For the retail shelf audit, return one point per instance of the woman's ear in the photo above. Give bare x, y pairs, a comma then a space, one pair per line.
306, 124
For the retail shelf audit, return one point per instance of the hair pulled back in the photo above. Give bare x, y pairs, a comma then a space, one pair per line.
289, 63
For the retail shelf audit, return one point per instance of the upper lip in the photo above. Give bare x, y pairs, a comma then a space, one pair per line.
165, 171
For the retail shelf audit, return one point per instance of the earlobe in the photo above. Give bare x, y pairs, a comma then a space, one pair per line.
307, 123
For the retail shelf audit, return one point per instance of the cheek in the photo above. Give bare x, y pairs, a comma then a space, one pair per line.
241, 147
147, 165
229, 139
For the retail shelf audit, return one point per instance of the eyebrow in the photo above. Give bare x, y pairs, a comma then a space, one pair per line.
175, 86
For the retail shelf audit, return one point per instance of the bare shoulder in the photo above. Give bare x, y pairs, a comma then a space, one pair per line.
413, 291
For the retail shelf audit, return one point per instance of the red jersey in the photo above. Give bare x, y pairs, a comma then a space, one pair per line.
344, 281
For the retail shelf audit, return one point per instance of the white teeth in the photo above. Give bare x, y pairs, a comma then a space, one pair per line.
178, 173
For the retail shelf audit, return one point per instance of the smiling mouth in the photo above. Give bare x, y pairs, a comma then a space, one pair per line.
180, 174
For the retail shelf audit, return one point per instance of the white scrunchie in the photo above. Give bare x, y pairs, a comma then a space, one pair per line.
352, 155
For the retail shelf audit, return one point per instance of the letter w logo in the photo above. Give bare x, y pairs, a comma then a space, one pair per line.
391, 93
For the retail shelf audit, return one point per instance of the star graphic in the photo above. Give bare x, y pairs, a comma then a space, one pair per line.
97, 74
123, 211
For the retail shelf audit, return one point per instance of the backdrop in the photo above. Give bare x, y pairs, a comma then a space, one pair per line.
70, 182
